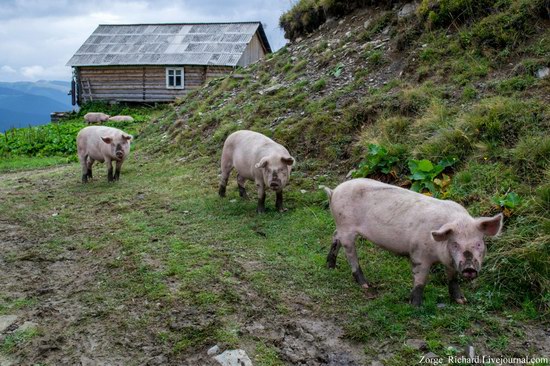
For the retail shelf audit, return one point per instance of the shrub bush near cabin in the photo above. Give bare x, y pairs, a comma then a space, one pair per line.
59, 139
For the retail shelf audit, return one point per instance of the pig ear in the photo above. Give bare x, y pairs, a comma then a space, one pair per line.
288, 160
107, 139
443, 233
262, 163
490, 226
127, 137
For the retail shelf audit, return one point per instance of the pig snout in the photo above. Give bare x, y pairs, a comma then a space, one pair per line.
275, 182
469, 267
119, 152
469, 273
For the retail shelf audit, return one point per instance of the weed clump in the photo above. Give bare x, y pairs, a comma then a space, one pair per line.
307, 15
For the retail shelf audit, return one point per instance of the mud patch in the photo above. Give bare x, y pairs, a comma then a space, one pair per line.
67, 332
309, 341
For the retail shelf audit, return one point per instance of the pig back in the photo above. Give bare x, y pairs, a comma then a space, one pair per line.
390, 216
247, 148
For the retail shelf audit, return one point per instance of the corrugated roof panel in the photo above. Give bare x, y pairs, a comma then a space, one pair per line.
156, 44
196, 47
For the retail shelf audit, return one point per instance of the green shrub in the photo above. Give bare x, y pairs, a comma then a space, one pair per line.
510, 200
300, 66
56, 139
531, 157
446, 143
543, 198
469, 92
337, 71
519, 265
426, 176
395, 129
514, 84
502, 121
376, 26
378, 160
506, 28
442, 13
307, 15
319, 85
374, 57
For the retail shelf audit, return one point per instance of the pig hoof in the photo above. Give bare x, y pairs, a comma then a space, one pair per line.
260, 210
281, 210
461, 301
365, 286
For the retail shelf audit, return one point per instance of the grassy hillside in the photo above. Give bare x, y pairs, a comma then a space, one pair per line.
156, 268
382, 93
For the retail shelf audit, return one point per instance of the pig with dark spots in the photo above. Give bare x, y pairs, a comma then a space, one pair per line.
257, 158
425, 229
103, 144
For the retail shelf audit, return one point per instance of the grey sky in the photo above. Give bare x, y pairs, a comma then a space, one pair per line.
37, 37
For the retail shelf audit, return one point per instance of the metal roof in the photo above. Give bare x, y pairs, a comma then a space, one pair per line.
220, 44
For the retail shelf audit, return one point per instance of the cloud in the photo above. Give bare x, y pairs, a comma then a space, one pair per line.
7, 69
32, 72
38, 37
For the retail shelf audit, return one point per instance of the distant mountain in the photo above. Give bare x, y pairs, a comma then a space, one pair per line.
30, 103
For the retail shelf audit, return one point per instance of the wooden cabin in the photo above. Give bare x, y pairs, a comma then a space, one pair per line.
159, 62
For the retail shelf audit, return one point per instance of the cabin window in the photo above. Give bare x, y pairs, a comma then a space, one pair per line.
174, 78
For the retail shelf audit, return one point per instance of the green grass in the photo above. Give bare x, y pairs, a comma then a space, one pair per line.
9, 305
13, 163
160, 225
17, 340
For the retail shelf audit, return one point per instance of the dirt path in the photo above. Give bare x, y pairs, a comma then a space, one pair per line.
68, 336
55, 290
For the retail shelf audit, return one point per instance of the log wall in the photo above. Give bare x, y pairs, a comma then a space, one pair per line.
253, 52
139, 83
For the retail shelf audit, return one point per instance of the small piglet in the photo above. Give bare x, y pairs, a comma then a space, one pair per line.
103, 144
425, 229
258, 158
96, 117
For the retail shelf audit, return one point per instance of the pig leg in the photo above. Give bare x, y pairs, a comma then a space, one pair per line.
227, 165
117, 170
261, 197
420, 274
454, 289
347, 240
279, 201
109, 164
89, 166
84, 164
333, 253
241, 182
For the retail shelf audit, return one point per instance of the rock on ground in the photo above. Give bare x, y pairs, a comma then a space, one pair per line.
6, 321
237, 357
